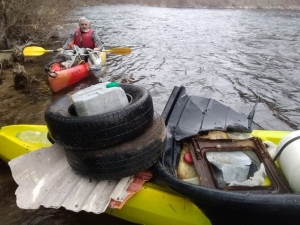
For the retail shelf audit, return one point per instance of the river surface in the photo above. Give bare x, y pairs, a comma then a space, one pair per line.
233, 56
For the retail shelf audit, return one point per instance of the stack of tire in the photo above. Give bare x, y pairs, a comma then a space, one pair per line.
111, 145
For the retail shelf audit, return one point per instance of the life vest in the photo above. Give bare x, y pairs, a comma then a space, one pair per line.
83, 39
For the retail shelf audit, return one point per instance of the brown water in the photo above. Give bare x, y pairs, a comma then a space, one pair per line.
232, 56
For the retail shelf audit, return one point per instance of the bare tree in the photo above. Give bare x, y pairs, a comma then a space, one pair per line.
22, 21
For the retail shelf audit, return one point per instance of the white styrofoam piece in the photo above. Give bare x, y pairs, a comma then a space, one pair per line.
98, 99
45, 178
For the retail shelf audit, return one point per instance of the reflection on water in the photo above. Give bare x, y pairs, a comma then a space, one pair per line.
233, 56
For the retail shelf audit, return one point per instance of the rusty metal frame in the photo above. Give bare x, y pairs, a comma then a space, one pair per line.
200, 146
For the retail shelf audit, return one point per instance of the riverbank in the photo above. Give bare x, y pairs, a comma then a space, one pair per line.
25, 99
25, 105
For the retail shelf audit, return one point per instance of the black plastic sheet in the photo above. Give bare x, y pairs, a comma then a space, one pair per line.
186, 116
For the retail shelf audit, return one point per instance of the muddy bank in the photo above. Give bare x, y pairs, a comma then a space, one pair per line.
24, 88
25, 91
24, 103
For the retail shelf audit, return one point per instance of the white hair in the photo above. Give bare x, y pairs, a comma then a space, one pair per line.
83, 19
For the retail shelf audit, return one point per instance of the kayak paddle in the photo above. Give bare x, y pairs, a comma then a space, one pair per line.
37, 51
119, 51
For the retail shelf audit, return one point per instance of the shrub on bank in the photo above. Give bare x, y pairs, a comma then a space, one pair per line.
22, 21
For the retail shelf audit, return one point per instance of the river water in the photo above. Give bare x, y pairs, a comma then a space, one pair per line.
233, 56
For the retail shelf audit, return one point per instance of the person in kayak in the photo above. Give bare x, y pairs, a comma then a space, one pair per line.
83, 37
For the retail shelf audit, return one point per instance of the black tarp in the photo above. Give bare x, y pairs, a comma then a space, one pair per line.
186, 116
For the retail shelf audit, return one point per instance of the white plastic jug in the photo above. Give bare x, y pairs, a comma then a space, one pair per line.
98, 99
289, 159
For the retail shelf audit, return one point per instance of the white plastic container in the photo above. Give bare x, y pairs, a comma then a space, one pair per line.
289, 159
98, 99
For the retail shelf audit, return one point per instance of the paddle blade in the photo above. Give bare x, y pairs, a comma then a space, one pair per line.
119, 51
34, 51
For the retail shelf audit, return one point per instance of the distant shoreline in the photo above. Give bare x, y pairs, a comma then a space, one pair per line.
205, 4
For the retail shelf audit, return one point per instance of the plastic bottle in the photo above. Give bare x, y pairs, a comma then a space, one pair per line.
186, 169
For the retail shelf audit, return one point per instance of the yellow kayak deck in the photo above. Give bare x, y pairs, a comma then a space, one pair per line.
153, 204
12, 144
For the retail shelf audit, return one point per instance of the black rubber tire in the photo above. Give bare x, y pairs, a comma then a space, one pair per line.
122, 160
50, 138
100, 131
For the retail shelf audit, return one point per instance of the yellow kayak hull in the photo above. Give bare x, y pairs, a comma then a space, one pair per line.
153, 204
11, 146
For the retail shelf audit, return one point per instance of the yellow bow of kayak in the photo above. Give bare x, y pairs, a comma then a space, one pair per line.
15, 140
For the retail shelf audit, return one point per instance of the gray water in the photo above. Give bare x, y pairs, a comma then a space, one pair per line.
233, 56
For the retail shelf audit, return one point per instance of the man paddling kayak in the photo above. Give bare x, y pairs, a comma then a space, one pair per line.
83, 37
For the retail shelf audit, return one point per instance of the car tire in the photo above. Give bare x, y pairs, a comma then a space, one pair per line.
103, 130
122, 160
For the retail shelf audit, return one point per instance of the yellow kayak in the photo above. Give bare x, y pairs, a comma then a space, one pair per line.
14, 140
153, 204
